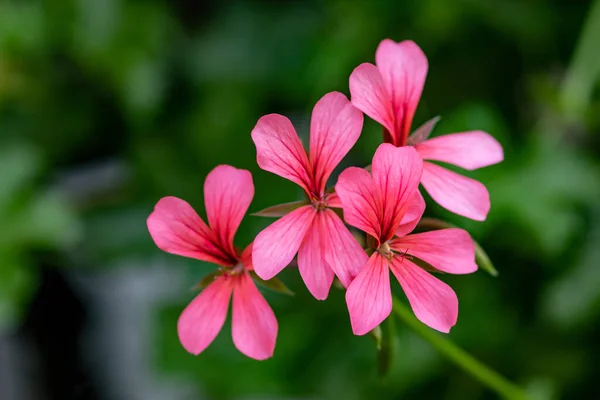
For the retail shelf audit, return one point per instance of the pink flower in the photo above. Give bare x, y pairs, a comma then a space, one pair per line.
324, 245
177, 229
389, 93
376, 204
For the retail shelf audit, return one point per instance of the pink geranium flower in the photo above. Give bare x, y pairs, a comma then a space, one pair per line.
177, 229
376, 204
324, 245
389, 93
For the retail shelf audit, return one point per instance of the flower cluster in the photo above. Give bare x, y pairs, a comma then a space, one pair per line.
382, 200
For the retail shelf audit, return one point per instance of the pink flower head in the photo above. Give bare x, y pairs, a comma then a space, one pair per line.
177, 229
376, 203
389, 93
324, 245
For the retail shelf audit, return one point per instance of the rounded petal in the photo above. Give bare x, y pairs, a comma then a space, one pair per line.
275, 247
469, 150
254, 326
335, 126
177, 229
228, 192
449, 250
459, 194
433, 302
369, 95
204, 317
278, 150
369, 296
414, 212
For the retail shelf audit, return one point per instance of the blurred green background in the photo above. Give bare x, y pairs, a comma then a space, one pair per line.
106, 106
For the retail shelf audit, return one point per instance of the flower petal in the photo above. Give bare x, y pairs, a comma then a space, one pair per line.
278, 150
449, 250
459, 194
469, 150
433, 302
335, 126
403, 67
204, 317
369, 296
275, 247
396, 173
414, 212
369, 95
360, 200
254, 326
228, 192
246, 258
177, 229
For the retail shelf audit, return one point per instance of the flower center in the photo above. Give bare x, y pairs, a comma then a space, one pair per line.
235, 270
318, 202
386, 251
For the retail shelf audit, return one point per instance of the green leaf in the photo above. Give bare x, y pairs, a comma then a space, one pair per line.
275, 284
375, 334
385, 355
280, 209
207, 280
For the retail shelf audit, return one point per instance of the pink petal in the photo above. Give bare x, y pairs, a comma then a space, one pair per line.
246, 258
204, 317
396, 173
334, 128
469, 150
313, 267
433, 302
422, 133
275, 247
449, 250
459, 194
369, 296
344, 255
228, 192
254, 326
403, 67
278, 150
414, 212
369, 95
177, 229
360, 200
333, 200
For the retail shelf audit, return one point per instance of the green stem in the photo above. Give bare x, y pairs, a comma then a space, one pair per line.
479, 371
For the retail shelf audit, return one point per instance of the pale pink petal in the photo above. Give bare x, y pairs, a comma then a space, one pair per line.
422, 133
228, 192
369, 296
403, 67
369, 95
275, 247
459, 194
414, 212
469, 150
177, 229
433, 302
313, 267
253, 324
449, 250
204, 317
396, 173
344, 255
278, 150
360, 199
335, 126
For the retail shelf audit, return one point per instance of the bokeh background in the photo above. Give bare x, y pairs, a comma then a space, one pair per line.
106, 106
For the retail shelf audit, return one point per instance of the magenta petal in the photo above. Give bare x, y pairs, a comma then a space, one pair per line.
275, 247
449, 250
228, 192
369, 95
433, 302
369, 296
459, 194
177, 229
278, 150
204, 317
334, 128
469, 150
254, 326
414, 212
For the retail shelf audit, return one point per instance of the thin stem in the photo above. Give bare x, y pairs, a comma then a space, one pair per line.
479, 371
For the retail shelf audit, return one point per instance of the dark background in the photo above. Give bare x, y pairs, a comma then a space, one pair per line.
106, 106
